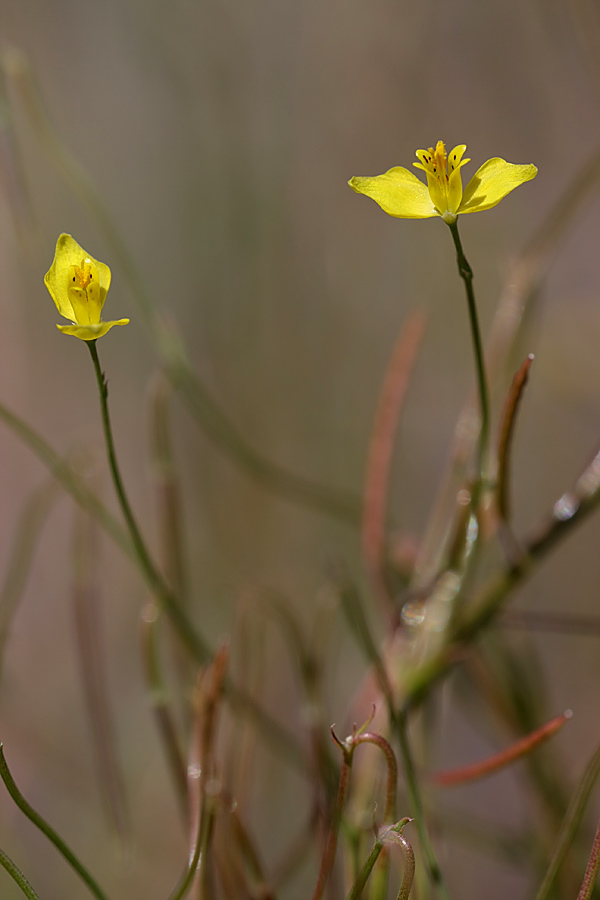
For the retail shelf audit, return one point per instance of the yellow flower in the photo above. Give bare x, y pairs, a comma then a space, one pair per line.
78, 284
400, 193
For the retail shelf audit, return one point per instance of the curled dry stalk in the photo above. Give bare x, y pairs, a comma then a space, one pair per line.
348, 746
507, 427
506, 757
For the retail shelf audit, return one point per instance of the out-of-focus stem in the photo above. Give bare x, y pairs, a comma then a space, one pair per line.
414, 793
570, 825
507, 427
504, 758
67, 478
194, 642
27, 534
379, 459
569, 510
159, 698
169, 500
92, 663
328, 857
251, 858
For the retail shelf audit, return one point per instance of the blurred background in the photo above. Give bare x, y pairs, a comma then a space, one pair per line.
220, 136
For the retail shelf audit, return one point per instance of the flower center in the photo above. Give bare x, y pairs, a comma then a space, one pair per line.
85, 295
443, 178
81, 276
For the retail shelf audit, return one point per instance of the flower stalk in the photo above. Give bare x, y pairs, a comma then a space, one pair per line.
190, 638
466, 273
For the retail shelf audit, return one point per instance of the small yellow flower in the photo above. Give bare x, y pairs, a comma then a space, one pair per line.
400, 193
78, 284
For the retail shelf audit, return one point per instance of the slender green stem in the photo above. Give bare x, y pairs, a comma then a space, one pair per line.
190, 638
387, 836
466, 273
195, 643
187, 879
134, 531
47, 829
363, 876
17, 876
414, 793
66, 477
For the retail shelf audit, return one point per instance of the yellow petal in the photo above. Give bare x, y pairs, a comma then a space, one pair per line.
455, 189
398, 192
90, 332
492, 182
69, 253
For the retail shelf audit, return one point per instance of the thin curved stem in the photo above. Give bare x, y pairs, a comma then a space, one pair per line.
195, 643
395, 836
190, 638
363, 876
47, 829
466, 273
386, 836
378, 740
17, 876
